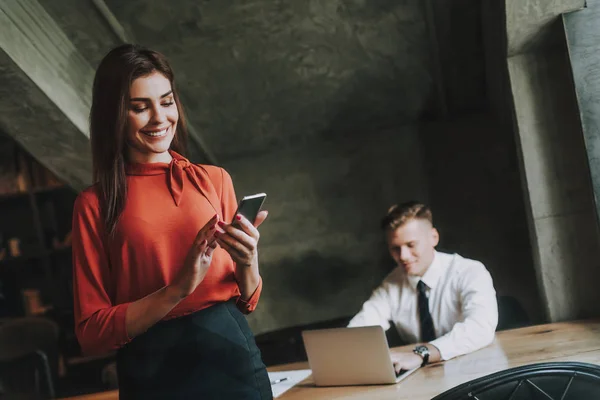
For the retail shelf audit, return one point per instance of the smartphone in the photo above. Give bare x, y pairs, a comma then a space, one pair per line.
249, 207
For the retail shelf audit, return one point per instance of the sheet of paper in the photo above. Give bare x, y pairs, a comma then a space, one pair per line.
283, 381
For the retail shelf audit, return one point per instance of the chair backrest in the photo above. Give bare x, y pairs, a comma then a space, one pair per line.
547, 381
20, 336
511, 314
286, 346
26, 377
29, 345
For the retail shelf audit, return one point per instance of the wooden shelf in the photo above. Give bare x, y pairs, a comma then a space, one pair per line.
78, 360
41, 190
13, 196
36, 216
48, 189
23, 258
51, 189
35, 256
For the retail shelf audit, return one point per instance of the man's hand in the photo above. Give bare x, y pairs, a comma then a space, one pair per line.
407, 359
404, 360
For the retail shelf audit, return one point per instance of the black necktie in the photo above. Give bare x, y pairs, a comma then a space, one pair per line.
427, 331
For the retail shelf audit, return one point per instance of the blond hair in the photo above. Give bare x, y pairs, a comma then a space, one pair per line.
399, 214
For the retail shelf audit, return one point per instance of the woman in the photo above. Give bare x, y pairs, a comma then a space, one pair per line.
158, 273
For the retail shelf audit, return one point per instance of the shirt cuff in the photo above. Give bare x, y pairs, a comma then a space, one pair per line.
247, 306
445, 347
121, 325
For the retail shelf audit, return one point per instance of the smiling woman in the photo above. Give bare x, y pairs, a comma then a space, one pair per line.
126, 100
152, 119
158, 274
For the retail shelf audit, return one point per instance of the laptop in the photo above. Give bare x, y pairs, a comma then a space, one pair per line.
350, 356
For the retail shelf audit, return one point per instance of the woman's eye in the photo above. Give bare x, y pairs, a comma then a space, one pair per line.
167, 104
139, 110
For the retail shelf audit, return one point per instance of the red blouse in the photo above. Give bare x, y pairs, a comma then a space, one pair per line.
166, 206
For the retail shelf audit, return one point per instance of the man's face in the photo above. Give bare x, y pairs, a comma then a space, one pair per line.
412, 245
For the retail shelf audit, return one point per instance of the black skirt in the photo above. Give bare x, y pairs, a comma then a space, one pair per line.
210, 354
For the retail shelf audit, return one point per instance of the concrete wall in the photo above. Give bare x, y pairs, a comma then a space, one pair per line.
478, 205
531, 89
321, 249
321, 104
556, 174
583, 41
261, 76
327, 105
316, 104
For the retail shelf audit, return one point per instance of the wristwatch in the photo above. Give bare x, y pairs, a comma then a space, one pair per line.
423, 352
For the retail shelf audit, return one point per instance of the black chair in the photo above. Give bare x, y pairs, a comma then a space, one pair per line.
27, 376
543, 381
511, 314
286, 346
29, 357
393, 337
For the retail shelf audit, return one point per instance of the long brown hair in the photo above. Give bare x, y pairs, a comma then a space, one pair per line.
108, 122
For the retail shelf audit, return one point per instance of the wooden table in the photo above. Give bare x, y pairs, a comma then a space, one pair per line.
569, 341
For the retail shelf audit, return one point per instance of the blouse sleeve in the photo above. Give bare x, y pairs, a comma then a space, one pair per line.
99, 324
229, 207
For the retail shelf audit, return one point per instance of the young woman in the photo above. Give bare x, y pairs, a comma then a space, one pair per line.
159, 274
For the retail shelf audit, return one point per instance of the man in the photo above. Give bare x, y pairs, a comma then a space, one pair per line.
444, 301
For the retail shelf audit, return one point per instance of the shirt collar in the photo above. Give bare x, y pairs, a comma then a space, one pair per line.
176, 171
431, 276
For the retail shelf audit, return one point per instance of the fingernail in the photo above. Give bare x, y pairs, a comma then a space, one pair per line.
217, 233
238, 217
221, 223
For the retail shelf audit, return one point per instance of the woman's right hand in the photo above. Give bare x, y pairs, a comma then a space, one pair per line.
197, 261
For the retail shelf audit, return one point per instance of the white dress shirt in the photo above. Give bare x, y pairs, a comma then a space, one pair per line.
462, 303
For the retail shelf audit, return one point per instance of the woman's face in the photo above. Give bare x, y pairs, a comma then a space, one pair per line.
151, 119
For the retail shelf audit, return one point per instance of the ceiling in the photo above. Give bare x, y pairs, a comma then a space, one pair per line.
262, 75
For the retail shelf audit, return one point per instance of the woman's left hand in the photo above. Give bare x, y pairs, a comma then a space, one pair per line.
240, 240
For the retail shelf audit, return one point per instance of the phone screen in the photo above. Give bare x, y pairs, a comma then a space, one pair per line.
250, 206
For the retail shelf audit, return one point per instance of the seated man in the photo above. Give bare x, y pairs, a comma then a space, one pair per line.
444, 301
